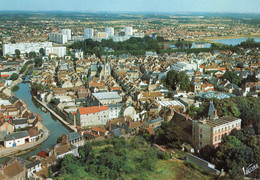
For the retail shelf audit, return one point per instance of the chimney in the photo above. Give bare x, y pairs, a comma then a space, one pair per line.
109, 122
79, 130
187, 117
216, 114
39, 118
171, 110
64, 139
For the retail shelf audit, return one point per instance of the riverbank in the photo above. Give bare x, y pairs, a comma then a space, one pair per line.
16, 82
71, 127
23, 149
232, 37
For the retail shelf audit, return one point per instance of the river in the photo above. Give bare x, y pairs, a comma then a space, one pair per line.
234, 41
55, 127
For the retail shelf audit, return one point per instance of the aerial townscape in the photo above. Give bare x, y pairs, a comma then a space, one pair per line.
133, 90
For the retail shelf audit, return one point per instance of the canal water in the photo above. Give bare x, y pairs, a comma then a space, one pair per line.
55, 127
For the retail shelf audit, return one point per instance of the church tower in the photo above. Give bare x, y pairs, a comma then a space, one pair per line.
212, 114
107, 68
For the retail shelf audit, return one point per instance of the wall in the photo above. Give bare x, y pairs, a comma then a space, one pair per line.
202, 163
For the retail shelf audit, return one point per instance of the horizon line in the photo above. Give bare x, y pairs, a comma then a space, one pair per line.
160, 12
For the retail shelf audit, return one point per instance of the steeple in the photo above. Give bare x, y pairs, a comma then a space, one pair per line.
212, 111
106, 57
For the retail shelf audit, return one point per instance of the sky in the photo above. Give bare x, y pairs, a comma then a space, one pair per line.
234, 6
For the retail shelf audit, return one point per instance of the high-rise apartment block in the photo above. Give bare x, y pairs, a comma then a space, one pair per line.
59, 51
58, 38
89, 33
66, 32
24, 47
110, 31
128, 31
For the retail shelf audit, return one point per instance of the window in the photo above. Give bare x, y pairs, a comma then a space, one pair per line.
216, 138
200, 143
200, 130
218, 130
225, 128
200, 136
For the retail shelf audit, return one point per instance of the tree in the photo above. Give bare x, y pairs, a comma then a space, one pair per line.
42, 52
181, 79
17, 53
38, 62
14, 76
208, 153
32, 54
225, 107
169, 135
232, 77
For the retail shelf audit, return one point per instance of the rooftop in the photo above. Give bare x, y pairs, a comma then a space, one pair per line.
215, 94
16, 135
93, 109
106, 95
218, 122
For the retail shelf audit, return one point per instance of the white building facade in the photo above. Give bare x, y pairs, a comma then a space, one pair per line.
89, 33
128, 31
66, 32
110, 31
58, 38
59, 51
24, 47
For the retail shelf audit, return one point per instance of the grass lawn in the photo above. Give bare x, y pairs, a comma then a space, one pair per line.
163, 169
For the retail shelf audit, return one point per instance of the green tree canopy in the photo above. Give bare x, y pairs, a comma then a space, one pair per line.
14, 76
17, 53
169, 135
175, 78
42, 52
232, 77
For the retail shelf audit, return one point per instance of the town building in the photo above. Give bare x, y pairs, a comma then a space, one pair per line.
33, 167
59, 51
101, 35
128, 31
89, 33
108, 97
210, 131
109, 31
24, 47
75, 139
92, 116
16, 139
58, 38
66, 32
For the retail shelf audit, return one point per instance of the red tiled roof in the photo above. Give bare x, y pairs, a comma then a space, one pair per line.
87, 132
42, 154
97, 129
90, 110
97, 84
222, 68
5, 75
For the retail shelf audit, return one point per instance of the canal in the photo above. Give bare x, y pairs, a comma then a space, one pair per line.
55, 127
